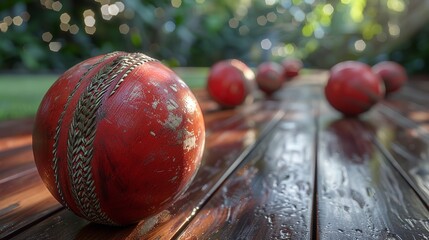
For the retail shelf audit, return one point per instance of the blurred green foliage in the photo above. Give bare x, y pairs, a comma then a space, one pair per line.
49, 35
414, 53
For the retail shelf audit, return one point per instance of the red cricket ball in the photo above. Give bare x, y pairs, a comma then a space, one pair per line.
269, 77
291, 68
118, 137
393, 75
353, 88
231, 83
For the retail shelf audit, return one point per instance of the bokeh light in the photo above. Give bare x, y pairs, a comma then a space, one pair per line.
74, 29
57, 6
233, 23
266, 44
360, 45
47, 36
17, 20
186, 32
271, 17
55, 46
124, 28
65, 18
262, 20
3, 27
89, 21
176, 3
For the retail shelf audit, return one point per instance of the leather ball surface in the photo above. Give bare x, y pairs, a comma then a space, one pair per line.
353, 88
291, 68
118, 137
231, 82
269, 77
392, 74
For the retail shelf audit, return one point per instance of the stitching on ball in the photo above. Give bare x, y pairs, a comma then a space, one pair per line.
80, 144
143, 59
83, 130
59, 124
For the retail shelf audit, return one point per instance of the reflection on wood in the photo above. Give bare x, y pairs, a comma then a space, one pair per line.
23, 197
310, 175
23, 201
270, 196
15, 161
406, 148
360, 195
14, 128
228, 135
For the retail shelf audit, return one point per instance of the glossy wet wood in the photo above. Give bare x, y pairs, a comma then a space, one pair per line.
273, 189
360, 194
24, 199
229, 134
288, 167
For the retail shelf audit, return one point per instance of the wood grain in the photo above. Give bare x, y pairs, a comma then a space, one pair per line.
360, 194
24, 198
310, 175
270, 195
15, 161
406, 147
12, 128
228, 135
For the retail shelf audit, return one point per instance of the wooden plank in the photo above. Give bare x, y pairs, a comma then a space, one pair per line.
15, 161
412, 94
228, 135
407, 110
67, 225
270, 196
24, 200
16, 127
360, 186
16, 141
415, 90
206, 103
404, 135
15, 133
360, 194
419, 82
412, 101
406, 147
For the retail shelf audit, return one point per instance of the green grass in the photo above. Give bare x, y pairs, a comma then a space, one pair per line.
194, 77
20, 95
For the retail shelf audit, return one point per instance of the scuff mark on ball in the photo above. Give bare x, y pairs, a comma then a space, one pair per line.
173, 121
190, 141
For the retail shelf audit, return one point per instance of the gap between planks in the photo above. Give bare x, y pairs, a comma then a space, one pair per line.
314, 226
407, 123
265, 132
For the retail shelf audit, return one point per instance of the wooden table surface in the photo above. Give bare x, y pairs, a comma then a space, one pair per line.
288, 167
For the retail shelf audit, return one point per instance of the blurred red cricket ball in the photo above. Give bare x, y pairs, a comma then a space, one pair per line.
291, 68
231, 83
269, 77
392, 74
353, 88
118, 137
